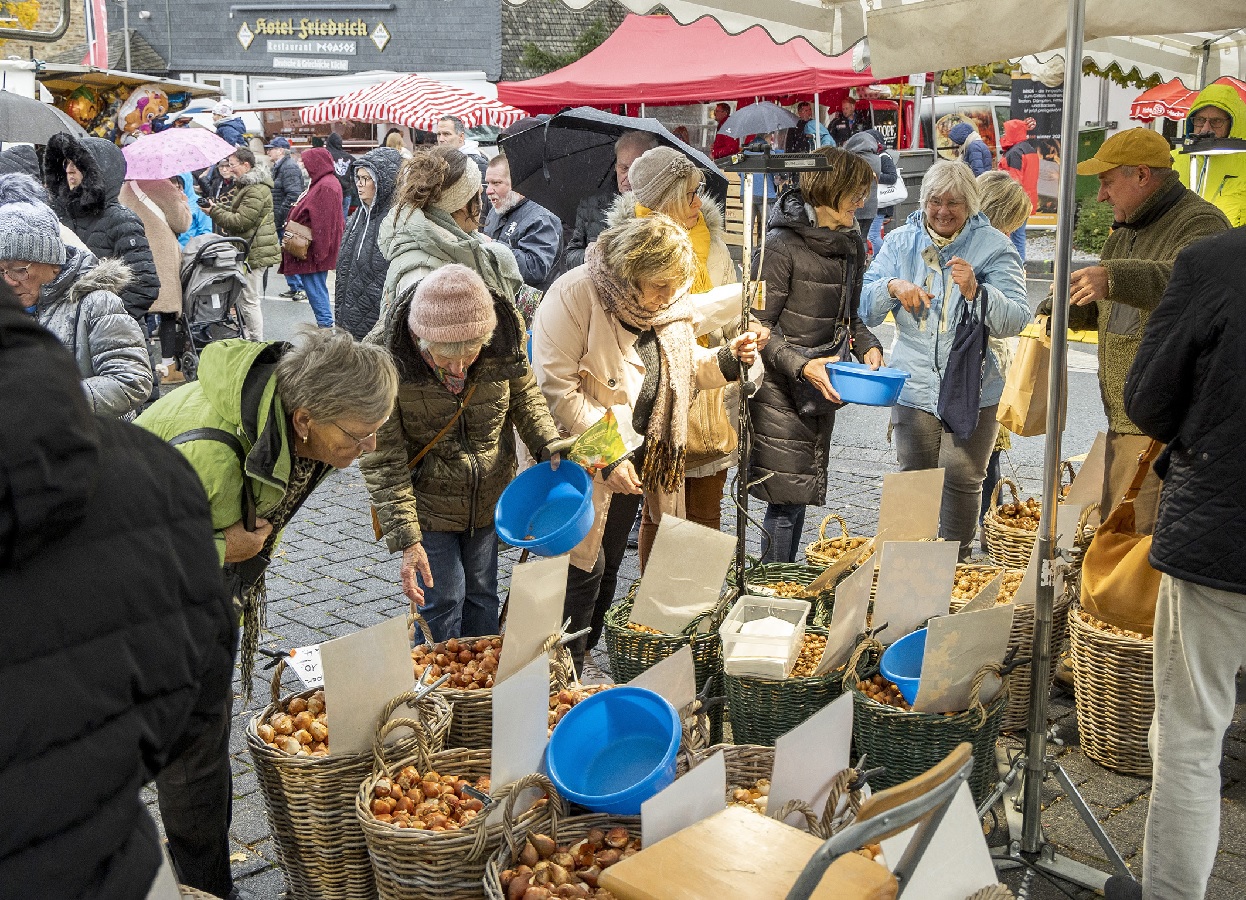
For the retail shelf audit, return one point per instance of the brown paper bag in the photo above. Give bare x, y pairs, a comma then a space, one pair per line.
1023, 405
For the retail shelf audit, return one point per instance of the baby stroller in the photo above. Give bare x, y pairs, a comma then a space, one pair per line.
212, 280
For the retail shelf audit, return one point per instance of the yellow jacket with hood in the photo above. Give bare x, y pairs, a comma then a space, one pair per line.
1219, 179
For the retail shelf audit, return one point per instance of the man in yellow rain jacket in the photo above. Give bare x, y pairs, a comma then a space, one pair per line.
1217, 112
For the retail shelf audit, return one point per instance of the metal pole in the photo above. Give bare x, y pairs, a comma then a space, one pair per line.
817, 118
1040, 667
744, 451
125, 27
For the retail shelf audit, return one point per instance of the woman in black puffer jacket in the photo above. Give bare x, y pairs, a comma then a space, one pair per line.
813, 264
361, 266
85, 200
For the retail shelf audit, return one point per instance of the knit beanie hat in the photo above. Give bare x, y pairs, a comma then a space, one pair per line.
452, 305
30, 232
224, 108
960, 133
658, 174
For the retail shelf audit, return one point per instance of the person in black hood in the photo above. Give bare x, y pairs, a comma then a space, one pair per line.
813, 265
84, 178
344, 169
361, 266
111, 680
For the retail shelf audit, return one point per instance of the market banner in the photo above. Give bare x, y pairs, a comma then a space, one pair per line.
1041, 107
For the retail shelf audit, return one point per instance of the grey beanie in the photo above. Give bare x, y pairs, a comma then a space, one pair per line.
658, 175
30, 232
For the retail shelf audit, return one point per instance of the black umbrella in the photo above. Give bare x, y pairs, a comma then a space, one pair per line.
571, 156
27, 121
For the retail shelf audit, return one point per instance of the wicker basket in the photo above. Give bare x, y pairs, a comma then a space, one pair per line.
1021, 637
564, 831
763, 709
820, 553
1087, 524
632, 652
909, 743
759, 578
1112, 681
1007, 546
472, 725
311, 802
414, 864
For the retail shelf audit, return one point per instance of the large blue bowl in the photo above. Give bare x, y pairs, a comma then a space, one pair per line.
615, 750
902, 663
547, 511
857, 383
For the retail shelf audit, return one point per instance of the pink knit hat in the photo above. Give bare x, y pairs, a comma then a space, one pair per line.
452, 305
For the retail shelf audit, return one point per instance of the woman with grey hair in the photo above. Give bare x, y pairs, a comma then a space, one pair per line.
440, 464
944, 262
263, 426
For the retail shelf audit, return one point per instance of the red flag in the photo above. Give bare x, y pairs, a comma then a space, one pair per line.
97, 34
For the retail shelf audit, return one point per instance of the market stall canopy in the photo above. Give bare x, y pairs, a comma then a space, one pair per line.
414, 101
1172, 100
1145, 33
831, 26
699, 62
63, 80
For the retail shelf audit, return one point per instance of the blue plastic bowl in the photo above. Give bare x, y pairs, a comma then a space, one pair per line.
858, 383
615, 750
546, 511
902, 663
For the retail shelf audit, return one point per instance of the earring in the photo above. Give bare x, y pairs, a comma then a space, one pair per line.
304, 438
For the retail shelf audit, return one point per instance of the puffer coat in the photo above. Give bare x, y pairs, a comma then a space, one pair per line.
361, 266
813, 281
457, 484
95, 213
287, 186
82, 307
320, 209
590, 221
247, 212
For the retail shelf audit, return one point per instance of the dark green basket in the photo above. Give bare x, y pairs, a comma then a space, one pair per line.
632, 652
763, 709
820, 607
909, 743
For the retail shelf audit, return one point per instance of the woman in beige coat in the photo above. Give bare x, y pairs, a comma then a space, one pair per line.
618, 332
165, 211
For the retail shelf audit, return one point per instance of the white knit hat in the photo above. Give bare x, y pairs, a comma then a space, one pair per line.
30, 232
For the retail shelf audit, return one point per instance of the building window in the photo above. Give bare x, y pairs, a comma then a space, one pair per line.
232, 87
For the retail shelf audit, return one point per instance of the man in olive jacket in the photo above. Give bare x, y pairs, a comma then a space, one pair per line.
1156, 218
247, 212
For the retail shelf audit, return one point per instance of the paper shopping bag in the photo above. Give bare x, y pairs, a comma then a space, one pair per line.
1023, 405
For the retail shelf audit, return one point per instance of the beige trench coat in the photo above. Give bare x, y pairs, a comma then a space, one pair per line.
585, 362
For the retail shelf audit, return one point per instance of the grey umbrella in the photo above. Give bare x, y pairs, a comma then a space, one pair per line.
757, 118
559, 160
27, 121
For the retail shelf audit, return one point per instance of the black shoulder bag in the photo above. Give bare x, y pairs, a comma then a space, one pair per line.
960, 388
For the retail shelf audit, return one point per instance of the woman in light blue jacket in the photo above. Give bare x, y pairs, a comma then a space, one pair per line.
946, 252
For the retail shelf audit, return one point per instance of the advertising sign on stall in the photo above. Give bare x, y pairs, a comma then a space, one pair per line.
1041, 107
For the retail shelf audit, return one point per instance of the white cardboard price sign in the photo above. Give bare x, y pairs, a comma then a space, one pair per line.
305, 661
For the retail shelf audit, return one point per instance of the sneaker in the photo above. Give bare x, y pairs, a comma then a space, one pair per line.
290, 294
299, 295
1122, 887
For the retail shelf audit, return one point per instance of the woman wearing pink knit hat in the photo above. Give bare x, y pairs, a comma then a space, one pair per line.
465, 387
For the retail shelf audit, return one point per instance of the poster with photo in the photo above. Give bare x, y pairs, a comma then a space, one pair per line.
1042, 108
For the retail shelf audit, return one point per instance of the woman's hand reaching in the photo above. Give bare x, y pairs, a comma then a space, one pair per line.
815, 373
874, 358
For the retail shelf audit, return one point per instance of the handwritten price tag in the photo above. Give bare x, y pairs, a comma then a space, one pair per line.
306, 664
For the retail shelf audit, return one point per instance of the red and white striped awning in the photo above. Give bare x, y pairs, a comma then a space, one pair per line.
414, 101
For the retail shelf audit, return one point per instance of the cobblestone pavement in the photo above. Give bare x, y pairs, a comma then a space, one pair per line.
331, 578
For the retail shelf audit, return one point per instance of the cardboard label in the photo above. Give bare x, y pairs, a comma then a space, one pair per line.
987, 597
673, 678
363, 672
808, 758
956, 648
685, 575
957, 863
538, 590
520, 729
914, 583
852, 602
1087, 485
698, 795
910, 504
305, 661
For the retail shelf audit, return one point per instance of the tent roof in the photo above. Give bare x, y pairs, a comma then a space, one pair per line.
411, 100
699, 62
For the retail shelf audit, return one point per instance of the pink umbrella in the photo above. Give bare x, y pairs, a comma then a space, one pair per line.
172, 152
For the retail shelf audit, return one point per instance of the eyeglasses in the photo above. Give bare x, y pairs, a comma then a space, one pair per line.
17, 274
359, 441
950, 205
859, 199
362, 178
1209, 121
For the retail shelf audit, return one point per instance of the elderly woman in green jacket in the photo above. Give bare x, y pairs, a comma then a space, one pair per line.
465, 388
262, 427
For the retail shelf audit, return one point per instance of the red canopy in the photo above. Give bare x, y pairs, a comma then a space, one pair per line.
655, 60
1172, 100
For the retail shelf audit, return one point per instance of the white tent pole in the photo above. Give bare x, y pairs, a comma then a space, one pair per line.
1040, 667
642, 110
817, 118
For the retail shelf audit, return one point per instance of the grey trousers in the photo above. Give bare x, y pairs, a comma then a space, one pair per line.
1200, 643
921, 443
248, 306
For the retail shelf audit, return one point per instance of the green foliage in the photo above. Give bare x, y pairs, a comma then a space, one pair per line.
1094, 222
1131, 79
542, 61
